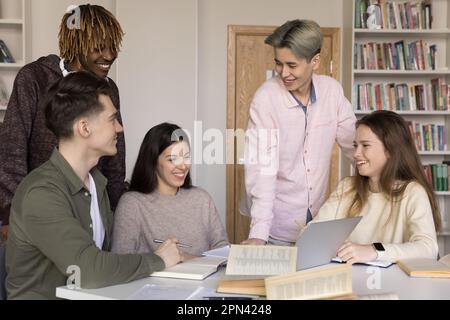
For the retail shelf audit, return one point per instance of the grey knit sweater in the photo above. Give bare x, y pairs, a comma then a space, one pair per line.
190, 216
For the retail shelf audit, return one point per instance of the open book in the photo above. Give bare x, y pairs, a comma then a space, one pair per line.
261, 260
426, 268
194, 269
329, 282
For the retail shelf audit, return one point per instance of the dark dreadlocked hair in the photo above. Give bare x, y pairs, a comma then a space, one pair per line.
96, 26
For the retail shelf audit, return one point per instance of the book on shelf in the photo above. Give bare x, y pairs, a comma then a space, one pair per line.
406, 96
193, 269
426, 268
397, 15
5, 54
437, 176
4, 96
399, 55
331, 282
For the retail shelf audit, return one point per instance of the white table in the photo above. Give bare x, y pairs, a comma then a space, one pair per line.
366, 281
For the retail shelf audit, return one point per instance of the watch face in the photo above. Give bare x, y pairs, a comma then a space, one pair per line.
378, 246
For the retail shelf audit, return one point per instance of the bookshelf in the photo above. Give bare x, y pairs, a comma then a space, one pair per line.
14, 19
391, 67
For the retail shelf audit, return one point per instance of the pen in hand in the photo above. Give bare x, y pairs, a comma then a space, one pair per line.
181, 245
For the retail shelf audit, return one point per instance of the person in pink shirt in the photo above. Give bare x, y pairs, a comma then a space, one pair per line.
295, 119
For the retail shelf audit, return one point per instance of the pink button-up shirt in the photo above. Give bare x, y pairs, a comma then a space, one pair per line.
288, 154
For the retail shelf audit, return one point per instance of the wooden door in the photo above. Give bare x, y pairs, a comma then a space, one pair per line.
250, 63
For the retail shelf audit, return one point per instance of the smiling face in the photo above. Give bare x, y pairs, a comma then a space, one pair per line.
173, 166
99, 61
370, 155
104, 128
295, 72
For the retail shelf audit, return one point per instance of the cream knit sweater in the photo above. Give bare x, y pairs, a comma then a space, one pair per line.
408, 233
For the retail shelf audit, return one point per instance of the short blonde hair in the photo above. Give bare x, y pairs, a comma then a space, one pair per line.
303, 37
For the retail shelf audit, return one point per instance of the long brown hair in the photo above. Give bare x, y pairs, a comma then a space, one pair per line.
403, 166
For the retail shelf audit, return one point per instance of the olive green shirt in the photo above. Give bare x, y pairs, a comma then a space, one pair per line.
51, 229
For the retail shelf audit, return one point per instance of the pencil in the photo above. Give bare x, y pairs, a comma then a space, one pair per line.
181, 245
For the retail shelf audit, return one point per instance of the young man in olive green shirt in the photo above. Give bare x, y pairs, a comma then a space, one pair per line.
61, 210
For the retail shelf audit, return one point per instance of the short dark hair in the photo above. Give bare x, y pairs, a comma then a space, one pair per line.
72, 97
156, 140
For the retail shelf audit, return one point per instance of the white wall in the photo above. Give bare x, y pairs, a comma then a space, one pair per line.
157, 67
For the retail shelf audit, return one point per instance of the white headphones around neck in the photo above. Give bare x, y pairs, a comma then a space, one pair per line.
63, 68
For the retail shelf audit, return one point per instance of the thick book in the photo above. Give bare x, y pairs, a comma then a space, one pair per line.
194, 269
330, 282
426, 268
245, 286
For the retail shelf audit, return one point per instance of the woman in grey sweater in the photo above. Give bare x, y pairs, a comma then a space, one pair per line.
162, 203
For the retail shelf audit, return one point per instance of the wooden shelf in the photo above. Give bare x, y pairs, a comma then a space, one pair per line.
443, 31
434, 153
410, 113
442, 193
444, 233
401, 72
11, 21
12, 65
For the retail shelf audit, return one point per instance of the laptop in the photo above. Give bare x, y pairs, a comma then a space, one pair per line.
319, 243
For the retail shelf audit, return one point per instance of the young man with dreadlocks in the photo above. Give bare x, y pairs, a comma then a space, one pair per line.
90, 44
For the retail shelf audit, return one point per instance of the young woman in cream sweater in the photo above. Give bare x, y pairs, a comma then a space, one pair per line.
390, 191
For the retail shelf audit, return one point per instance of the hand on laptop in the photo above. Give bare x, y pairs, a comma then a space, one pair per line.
254, 242
352, 252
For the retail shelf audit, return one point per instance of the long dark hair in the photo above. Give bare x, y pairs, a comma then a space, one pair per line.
403, 166
156, 140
